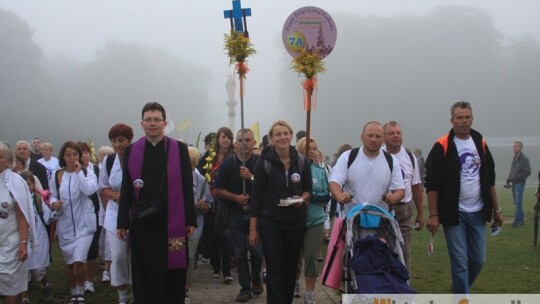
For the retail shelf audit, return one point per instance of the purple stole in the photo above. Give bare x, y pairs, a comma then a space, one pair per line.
176, 218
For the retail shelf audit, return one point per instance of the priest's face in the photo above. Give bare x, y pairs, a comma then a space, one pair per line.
153, 124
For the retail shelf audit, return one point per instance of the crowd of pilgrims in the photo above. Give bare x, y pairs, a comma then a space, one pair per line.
79, 212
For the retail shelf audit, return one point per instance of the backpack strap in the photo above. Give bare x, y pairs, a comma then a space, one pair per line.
411, 156
110, 162
389, 160
58, 179
354, 154
352, 157
301, 164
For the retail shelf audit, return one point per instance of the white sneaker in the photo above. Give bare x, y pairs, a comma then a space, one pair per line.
297, 292
308, 299
106, 277
89, 287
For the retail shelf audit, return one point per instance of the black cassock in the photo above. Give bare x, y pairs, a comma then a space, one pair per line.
152, 281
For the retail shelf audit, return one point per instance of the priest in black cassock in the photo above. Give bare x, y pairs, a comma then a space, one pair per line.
156, 207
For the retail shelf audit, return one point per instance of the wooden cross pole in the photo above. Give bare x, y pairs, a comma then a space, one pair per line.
237, 16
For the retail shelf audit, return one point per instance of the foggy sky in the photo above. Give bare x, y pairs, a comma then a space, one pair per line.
72, 34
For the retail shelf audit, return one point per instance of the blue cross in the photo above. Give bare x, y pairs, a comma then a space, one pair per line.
236, 15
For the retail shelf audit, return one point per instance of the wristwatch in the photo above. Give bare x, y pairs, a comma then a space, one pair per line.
252, 177
498, 210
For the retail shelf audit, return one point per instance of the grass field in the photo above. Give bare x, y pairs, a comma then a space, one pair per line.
512, 266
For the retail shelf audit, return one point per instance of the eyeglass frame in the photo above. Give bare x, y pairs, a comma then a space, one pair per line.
153, 119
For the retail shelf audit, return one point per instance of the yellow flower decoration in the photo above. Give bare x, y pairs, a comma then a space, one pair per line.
93, 157
208, 165
309, 64
238, 47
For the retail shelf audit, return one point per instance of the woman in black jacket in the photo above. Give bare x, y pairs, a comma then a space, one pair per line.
282, 185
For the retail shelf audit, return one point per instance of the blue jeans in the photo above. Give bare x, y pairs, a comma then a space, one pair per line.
238, 227
517, 194
467, 249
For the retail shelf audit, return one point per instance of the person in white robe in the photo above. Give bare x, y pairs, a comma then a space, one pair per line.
77, 222
16, 227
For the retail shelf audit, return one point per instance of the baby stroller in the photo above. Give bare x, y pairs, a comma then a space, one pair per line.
373, 259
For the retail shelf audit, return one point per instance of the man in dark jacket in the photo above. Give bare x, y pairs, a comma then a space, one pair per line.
519, 171
22, 150
233, 186
460, 184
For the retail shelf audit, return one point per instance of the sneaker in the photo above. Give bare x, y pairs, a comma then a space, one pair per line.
297, 292
215, 276
106, 277
80, 299
228, 280
205, 260
89, 287
187, 300
243, 297
25, 301
308, 299
47, 293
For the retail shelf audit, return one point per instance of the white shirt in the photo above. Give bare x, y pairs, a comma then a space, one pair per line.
410, 173
368, 179
470, 198
50, 165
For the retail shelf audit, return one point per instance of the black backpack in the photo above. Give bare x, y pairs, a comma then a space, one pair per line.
354, 154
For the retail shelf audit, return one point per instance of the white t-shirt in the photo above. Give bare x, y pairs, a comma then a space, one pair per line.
470, 198
368, 179
410, 173
51, 165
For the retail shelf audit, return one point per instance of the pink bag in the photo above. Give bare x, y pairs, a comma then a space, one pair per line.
333, 267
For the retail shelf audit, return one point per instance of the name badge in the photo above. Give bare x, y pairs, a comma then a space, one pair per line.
138, 183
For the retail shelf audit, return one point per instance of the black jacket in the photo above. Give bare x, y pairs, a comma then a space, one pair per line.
443, 175
269, 189
40, 172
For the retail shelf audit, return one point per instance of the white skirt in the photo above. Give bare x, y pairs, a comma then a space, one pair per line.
120, 270
13, 278
38, 256
75, 250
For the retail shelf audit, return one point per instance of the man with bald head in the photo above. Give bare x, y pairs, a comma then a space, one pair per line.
22, 150
367, 174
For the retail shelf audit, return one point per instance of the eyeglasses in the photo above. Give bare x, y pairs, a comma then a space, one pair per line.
153, 119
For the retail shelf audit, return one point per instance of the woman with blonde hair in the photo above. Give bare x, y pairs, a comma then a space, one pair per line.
316, 215
282, 186
16, 226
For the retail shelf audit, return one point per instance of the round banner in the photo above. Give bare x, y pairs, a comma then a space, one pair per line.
309, 28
